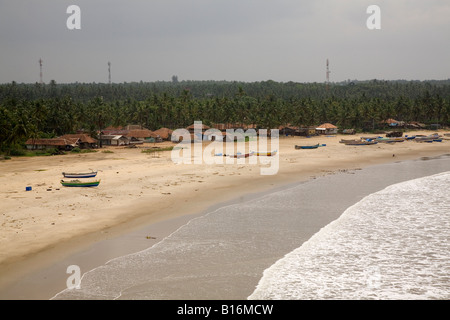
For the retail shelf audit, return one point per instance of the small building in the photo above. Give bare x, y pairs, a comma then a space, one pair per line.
114, 140
327, 128
140, 134
164, 133
202, 126
306, 131
288, 130
84, 141
349, 131
58, 143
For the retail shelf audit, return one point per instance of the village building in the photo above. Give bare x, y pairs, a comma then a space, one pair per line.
114, 140
140, 135
327, 128
288, 130
306, 131
84, 141
164, 133
349, 131
58, 143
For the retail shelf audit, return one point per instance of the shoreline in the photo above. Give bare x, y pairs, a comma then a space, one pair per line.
195, 197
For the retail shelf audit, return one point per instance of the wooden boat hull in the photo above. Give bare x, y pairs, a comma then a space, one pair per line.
361, 143
268, 154
349, 140
78, 183
240, 155
307, 147
80, 175
391, 140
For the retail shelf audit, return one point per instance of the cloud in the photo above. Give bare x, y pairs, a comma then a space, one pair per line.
247, 40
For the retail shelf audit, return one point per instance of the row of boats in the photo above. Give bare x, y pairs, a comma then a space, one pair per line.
246, 155
374, 140
363, 141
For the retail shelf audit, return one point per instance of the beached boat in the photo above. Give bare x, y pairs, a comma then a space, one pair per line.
79, 175
430, 138
307, 147
78, 183
361, 143
268, 154
245, 155
390, 140
371, 138
349, 140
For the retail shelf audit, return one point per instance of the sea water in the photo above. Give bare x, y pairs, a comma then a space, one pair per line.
393, 244
322, 239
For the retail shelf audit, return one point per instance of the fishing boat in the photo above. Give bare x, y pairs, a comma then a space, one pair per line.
349, 140
78, 183
80, 175
307, 147
245, 155
268, 154
390, 140
430, 138
361, 143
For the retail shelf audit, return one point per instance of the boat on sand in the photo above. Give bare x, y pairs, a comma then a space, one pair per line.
79, 175
79, 183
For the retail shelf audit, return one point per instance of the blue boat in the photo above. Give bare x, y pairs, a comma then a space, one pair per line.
310, 147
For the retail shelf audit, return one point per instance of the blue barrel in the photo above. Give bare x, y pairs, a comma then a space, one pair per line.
28, 188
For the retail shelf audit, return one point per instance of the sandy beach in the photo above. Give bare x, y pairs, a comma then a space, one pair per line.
48, 223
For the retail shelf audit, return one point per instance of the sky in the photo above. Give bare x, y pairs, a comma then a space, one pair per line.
232, 40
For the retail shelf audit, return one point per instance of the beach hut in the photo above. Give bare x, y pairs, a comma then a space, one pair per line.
288, 130
140, 134
83, 141
326, 128
58, 143
204, 127
349, 131
164, 133
114, 140
306, 131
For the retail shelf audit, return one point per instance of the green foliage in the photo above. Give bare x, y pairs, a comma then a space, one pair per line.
43, 111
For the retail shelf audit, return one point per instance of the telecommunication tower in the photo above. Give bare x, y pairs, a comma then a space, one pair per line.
109, 72
328, 73
40, 66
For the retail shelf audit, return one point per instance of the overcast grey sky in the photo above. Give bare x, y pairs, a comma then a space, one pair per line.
242, 40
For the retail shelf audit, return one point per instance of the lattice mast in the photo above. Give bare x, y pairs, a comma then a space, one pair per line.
109, 72
40, 74
328, 73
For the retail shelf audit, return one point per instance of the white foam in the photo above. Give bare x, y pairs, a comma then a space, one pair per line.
393, 244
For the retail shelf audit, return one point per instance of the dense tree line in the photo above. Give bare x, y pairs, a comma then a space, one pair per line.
47, 110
